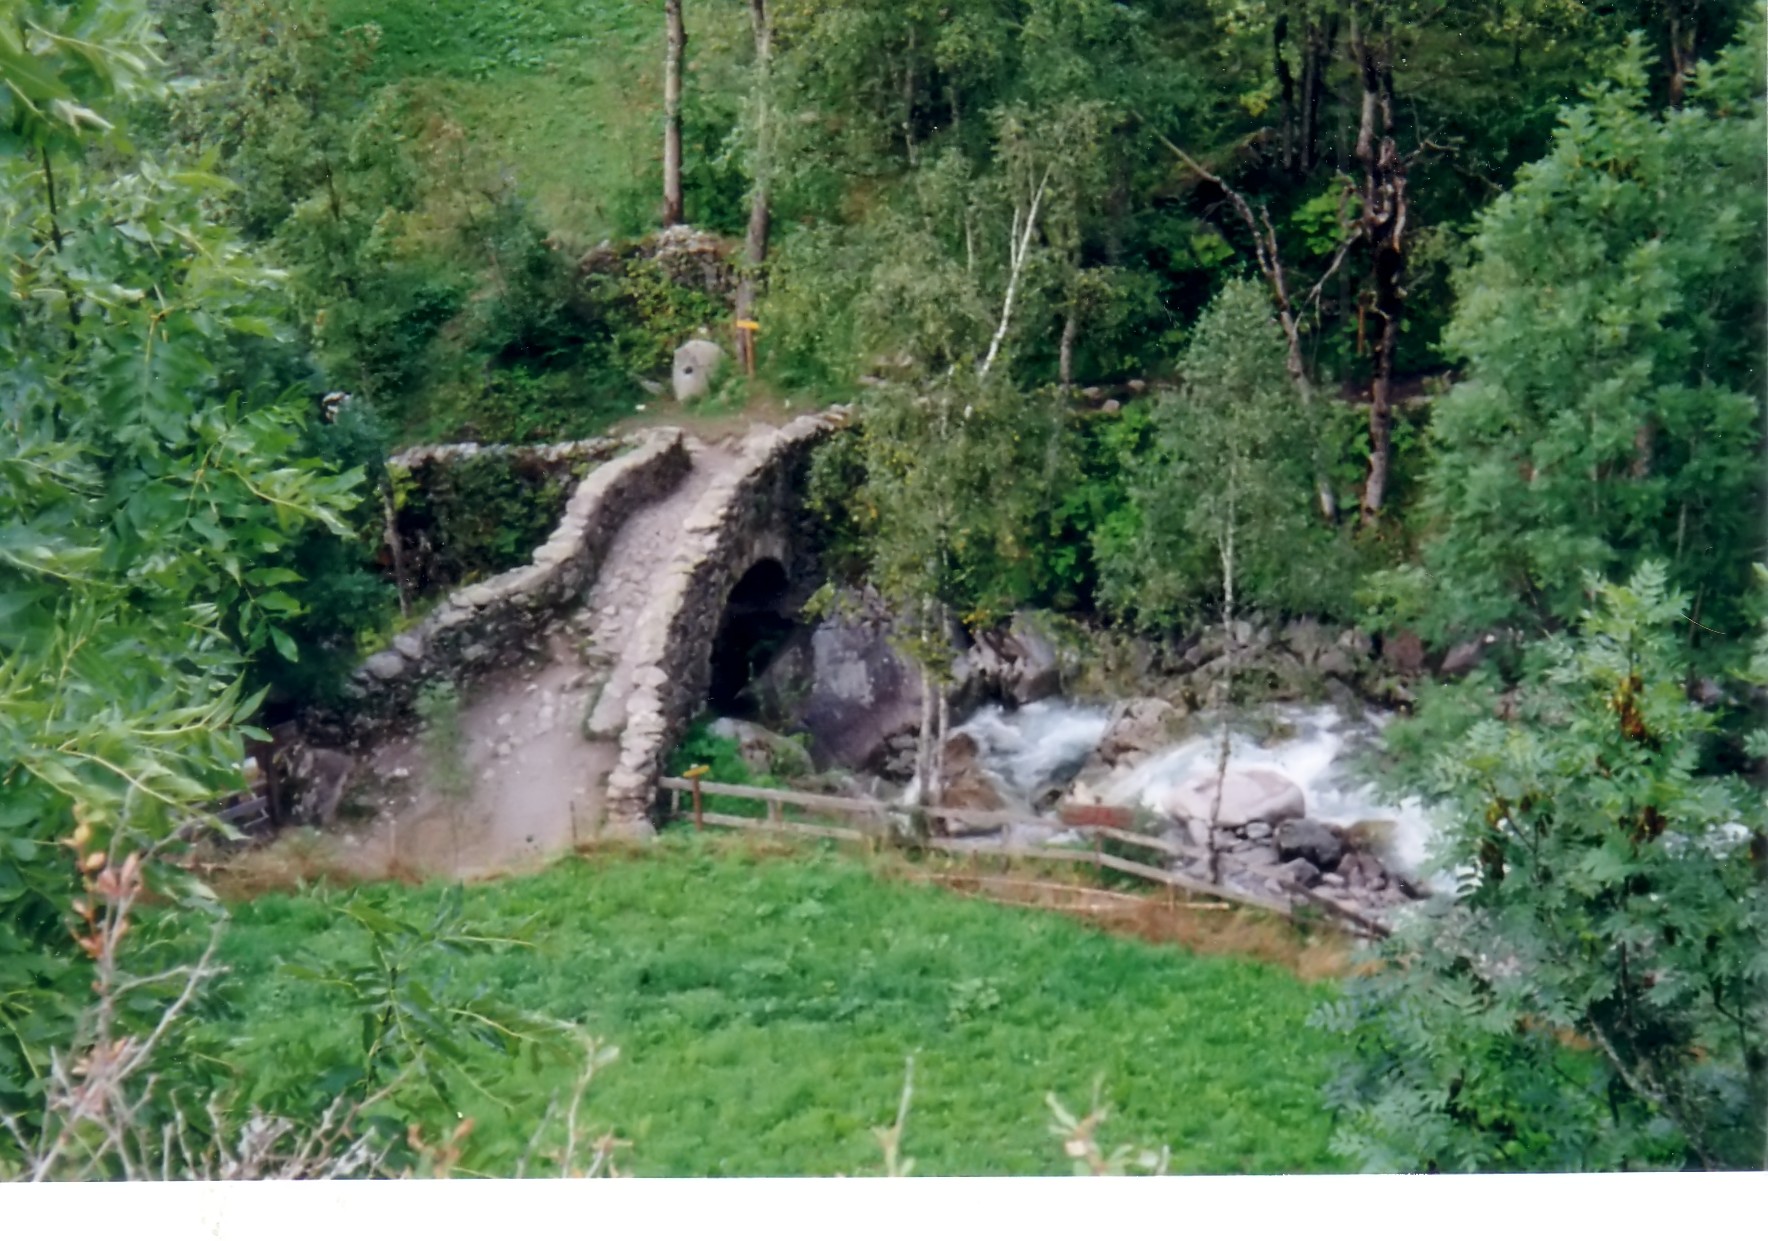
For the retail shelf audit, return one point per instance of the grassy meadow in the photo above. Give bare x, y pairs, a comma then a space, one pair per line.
764, 1000
566, 95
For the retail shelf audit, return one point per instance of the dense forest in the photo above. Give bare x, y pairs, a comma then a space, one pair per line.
1441, 322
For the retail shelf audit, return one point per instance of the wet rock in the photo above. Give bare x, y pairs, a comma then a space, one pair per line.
1311, 840
1466, 656
1404, 652
1299, 870
1262, 856
1138, 728
1361, 870
1033, 672
966, 784
863, 695
384, 665
1247, 795
1373, 836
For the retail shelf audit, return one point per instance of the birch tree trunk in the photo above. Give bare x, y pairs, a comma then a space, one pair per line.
1065, 356
1227, 553
675, 42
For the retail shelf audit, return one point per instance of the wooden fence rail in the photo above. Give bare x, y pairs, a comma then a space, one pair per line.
872, 816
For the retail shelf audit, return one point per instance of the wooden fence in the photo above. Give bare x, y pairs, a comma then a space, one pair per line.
870, 820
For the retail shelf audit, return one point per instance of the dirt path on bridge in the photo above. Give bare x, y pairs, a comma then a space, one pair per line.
524, 784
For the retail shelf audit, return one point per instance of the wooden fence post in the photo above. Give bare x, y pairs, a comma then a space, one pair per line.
694, 774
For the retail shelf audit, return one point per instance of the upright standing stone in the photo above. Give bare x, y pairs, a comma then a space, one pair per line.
696, 365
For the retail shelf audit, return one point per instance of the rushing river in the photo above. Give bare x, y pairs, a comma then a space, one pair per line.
1045, 744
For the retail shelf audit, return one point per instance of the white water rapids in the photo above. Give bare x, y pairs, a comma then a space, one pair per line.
1045, 744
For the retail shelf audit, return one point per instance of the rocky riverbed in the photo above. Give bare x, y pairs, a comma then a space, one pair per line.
1289, 811
1289, 808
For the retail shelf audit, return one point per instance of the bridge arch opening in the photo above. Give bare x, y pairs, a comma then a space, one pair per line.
759, 618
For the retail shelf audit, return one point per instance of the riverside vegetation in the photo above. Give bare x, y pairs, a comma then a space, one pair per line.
1444, 322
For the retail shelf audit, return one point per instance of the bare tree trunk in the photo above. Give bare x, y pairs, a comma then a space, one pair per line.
1018, 247
1384, 228
941, 729
1317, 55
1682, 30
1286, 89
908, 103
676, 40
1065, 354
401, 582
1227, 554
755, 239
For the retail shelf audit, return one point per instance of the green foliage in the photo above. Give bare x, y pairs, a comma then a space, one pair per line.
414, 1025
724, 763
527, 315
146, 500
476, 516
328, 180
648, 315
444, 739
342, 595
936, 514
764, 1005
1597, 996
1611, 326
1226, 487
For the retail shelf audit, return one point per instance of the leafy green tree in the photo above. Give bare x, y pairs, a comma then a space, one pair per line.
1222, 499
1593, 997
330, 184
1611, 329
143, 502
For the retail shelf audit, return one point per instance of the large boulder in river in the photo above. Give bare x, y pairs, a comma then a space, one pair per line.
1139, 727
1033, 671
1315, 842
1017, 665
965, 784
1248, 795
862, 693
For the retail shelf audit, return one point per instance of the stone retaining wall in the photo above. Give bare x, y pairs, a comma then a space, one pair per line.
753, 514
497, 621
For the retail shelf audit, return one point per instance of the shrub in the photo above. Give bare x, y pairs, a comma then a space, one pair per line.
1594, 997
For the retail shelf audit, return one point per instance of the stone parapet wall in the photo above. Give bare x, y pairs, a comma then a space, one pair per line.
752, 514
497, 621
596, 448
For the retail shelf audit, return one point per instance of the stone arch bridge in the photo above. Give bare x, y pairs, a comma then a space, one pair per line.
582, 670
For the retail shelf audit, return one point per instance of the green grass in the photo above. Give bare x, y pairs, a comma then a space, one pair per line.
566, 93
764, 1005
